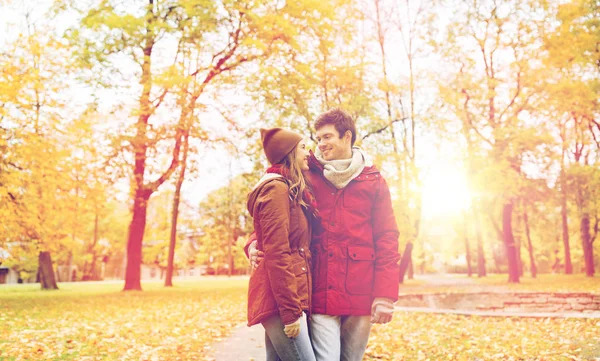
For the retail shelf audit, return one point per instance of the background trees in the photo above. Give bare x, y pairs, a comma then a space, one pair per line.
483, 116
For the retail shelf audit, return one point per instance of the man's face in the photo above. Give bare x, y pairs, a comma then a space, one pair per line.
330, 144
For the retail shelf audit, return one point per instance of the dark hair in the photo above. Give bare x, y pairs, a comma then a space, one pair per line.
341, 120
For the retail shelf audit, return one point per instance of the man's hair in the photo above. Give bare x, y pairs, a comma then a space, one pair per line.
341, 120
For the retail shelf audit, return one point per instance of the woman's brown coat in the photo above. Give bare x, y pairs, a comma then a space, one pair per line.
282, 282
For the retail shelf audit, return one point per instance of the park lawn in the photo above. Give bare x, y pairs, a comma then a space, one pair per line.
96, 321
420, 336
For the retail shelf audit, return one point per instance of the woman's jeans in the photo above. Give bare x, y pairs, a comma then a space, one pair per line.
281, 347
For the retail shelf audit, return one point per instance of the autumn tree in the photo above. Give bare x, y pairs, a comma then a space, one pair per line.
492, 89
573, 62
35, 164
220, 36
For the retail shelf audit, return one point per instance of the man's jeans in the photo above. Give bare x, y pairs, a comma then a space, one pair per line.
281, 347
340, 337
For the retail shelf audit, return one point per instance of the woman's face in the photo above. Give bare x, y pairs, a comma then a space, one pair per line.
302, 155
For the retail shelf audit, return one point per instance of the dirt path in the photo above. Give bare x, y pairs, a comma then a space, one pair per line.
244, 344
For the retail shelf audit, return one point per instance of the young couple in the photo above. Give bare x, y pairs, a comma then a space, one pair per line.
325, 250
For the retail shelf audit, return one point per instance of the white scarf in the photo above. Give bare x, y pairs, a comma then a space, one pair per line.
340, 172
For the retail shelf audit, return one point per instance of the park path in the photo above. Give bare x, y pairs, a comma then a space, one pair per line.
247, 343
244, 344
446, 280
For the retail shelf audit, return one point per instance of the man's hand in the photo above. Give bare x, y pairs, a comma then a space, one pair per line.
256, 256
382, 310
293, 329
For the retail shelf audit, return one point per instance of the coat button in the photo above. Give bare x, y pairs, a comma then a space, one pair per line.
330, 254
333, 223
301, 249
330, 286
304, 269
354, 255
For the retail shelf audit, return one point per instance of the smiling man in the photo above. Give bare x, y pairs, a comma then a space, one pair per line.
354, 249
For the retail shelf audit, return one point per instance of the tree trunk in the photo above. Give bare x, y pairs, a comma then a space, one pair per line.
417, 228
529, 245
587, 245
140, 146
46, 272
173, 240
481, 271
519, 245
93, 269
175, 215
509, 242
93, 275
405, 261
467, 245
388, 103
134, 241
563, 213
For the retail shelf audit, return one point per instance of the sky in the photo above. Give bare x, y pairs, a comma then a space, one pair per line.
444, 184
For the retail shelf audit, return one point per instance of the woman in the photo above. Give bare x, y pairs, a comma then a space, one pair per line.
282, 207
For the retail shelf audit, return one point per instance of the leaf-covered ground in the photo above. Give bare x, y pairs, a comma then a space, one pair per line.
96, 321
418, 336
99, 322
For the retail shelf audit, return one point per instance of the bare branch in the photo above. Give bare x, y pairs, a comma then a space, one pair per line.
153, 186
514, 98
156, 102
470, 118
522, 107
15, 166
591, 123
383, 128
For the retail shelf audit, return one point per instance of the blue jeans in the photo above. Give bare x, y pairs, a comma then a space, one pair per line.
279, 347
340, 337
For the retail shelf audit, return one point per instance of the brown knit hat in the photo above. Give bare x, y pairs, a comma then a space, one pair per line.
278, 142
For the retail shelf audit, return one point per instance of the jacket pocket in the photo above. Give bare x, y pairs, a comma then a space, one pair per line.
301, 273
360, 270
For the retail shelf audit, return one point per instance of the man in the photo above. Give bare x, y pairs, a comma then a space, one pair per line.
355, 250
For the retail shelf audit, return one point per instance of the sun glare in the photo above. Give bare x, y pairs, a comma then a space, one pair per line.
445, 191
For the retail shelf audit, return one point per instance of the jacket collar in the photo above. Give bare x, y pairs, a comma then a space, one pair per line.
315, 166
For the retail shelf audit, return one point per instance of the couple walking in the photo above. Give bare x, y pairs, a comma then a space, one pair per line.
325, 247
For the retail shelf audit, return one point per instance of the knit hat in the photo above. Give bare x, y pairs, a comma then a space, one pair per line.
278, 142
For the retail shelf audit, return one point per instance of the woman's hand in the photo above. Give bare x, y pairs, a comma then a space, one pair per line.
293, 329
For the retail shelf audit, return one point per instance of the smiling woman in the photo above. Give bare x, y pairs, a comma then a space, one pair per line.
445, 191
